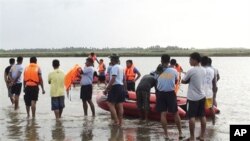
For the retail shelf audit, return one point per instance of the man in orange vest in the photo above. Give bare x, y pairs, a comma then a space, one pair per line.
130, 74
32, 78
101, 70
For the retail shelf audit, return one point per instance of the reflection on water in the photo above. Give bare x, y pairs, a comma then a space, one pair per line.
143, 134
116, 133
58, 131
87, 132
31, 132
14, 126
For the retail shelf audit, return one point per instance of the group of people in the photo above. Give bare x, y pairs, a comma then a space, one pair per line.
202, 79
32, 78
201, 93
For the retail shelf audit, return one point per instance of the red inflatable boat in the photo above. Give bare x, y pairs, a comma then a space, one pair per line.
130, 107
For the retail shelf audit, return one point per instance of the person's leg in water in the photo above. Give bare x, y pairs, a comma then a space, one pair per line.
57, 113
178, 124
213, 115
85, 107
16, 102
28, 111
120, 111
146, 105
113, 113
164, 123
60, 112
92, 107
192, 128
12, 99
33, 108
203, 128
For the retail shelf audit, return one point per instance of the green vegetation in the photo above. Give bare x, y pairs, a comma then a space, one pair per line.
135, 51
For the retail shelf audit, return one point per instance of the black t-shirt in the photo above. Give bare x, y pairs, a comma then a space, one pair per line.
146, 83
7, 70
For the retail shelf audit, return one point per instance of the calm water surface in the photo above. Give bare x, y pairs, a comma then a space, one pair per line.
233, 101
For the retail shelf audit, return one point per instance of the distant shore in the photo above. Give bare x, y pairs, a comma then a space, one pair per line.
126, 52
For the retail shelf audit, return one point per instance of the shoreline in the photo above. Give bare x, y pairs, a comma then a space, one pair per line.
229, 52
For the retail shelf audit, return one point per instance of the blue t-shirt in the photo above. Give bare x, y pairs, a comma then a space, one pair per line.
109, 69
87, 76
166, 81
117, 70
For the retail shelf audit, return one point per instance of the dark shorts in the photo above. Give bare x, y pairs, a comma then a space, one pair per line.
116, 94
31, 94
131, 86
57, 103
166, 102
16, 89
102, 78
143, 98
196, 108
86, 92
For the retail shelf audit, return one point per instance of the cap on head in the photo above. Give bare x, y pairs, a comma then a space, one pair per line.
165, 58
114, 57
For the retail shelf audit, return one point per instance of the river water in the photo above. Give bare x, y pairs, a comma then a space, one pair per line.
233, 96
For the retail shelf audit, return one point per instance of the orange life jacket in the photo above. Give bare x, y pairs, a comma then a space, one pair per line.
130, 74
31, 77
101, 67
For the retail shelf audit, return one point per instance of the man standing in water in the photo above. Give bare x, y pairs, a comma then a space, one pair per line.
86, 86
8, 80
143, 92
116, 90
32, 78
132, 75
216, 79
166, 100
208, 86
195, 95
16, 82
56, 81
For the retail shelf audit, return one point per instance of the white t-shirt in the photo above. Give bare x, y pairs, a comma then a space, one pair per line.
87, 76
15, 70
209, 82
118, 71
195, 77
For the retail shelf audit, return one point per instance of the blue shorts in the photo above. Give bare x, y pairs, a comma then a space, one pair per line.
116, 94
57, 103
